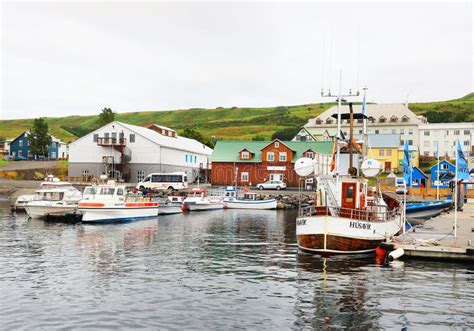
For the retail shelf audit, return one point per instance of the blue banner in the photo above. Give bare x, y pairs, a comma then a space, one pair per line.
363, 106
461, 162
406, 165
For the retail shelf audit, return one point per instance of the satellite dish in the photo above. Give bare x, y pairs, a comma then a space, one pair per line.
304, 166
371, 167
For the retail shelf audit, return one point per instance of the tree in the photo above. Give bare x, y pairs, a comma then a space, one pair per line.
106, 116
196, 135
286, 134
258, 138
39, 138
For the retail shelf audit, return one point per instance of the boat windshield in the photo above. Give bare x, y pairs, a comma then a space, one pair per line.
90, 191
107, 191
50, 196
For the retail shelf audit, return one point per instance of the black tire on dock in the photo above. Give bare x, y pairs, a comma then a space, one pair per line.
470, 251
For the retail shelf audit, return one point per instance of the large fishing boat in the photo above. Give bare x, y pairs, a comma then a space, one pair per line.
111, 203
347, 218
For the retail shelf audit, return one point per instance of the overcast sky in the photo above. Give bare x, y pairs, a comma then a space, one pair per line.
76, 58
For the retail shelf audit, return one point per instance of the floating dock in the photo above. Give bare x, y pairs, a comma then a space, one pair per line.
435, 239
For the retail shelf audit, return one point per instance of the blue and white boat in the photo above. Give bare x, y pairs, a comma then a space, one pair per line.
419, 211
248, 201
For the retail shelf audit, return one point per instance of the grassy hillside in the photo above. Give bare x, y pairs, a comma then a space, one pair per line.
223, 123
457, 110
232, 123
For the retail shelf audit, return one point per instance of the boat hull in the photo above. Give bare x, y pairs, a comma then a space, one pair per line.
202, 206
119, 214
327, 235
41, 210
251, 204
169, 210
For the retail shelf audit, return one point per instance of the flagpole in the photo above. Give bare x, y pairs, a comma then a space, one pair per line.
456, 195
437, 177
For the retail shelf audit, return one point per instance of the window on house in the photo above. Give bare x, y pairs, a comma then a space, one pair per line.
283, 157
402, 131
53, 155
310, 155
114, 135
106, 135
447, 132
170, 133
132, 137
456, 132
393, 119
140, 175
244, 176
360, 131
444, 166
377, 131
382, 119
277, 144
389, 152
410, 131
381, 152
195, 159
360, 120
95, 137
20, 153
328, 121
270, 156
426, 133
466, 143
245, 155
410, 142
20, 143
318, 121
467, 132
405, 118
186, 158
85, 173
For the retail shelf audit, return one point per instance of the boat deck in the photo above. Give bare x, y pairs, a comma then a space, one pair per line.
435, 240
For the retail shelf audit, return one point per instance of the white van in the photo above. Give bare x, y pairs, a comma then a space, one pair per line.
401, 186
165, 181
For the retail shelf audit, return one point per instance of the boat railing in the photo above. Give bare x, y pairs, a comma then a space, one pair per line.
368, 214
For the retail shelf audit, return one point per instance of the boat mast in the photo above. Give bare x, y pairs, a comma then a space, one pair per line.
365, 137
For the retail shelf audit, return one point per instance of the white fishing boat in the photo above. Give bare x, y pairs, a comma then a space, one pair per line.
49, 182
199, 200
346, 218
248, 201
111, 203
56, 201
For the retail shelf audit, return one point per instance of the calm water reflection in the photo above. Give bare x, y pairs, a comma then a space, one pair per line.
217, 270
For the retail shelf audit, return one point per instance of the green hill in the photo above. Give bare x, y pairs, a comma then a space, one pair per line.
234, 123
450, 111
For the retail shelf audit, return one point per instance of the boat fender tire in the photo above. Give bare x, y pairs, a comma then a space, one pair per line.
387, 246
396, 254
470, 251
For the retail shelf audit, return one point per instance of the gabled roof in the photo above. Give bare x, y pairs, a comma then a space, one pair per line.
418, 170
177, 142
443, 161
274, 140
228, 151
382, 140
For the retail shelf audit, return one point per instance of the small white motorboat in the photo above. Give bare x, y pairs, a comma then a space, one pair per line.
111, 203
57, 201
49, 182
199, 200
172, 205
248, 201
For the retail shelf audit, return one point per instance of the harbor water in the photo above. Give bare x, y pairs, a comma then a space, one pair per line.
224, 269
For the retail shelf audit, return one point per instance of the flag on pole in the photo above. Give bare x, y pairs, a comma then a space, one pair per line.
406, 165
462, 168
363, 106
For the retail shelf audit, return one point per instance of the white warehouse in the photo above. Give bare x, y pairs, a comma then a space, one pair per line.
131, 152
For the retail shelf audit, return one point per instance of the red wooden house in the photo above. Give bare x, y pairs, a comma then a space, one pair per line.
252, 162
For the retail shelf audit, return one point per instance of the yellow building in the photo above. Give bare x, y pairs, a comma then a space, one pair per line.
386, 149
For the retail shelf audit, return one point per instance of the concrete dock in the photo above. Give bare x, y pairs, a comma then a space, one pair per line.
436, 240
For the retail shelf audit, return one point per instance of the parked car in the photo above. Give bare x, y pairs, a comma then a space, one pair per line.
400, 186
271, 185
20, 158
